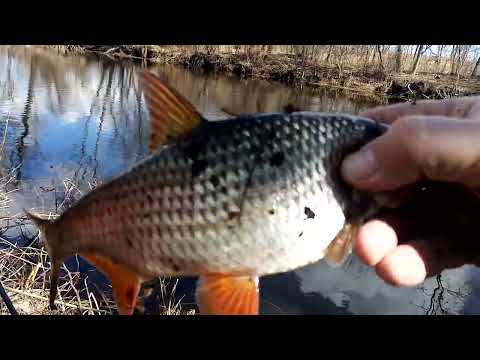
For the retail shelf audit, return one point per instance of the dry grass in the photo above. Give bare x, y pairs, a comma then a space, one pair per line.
65, 49
25, 277
24, 273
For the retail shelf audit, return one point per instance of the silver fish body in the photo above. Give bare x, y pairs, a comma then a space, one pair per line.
252, 195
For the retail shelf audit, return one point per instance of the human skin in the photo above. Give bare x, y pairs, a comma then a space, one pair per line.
436, 140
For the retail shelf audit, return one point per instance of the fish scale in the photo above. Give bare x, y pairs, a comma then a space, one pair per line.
180, 177
254, 195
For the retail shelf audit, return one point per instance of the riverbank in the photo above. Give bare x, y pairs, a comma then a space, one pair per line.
25, 279
296, 70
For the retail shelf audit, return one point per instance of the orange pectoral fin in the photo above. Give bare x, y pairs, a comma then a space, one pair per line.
125, 284
228, 295
339, 249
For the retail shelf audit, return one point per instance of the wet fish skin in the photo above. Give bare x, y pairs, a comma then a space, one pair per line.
252, 195
229, 201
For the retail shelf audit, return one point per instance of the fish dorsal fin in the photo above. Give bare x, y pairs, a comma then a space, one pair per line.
171, 115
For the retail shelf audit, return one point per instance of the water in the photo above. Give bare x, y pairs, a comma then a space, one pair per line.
82, 119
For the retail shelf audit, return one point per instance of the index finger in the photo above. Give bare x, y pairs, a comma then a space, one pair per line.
455, 107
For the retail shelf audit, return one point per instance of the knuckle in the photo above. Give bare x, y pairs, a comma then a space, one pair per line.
413, 134
417, 139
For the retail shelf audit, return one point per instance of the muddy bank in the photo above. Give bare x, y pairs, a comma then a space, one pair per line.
398, 90
294, 70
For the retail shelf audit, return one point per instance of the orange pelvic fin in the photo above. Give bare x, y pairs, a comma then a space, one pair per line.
228, 295
125, 284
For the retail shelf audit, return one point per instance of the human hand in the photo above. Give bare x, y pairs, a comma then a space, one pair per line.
429, 140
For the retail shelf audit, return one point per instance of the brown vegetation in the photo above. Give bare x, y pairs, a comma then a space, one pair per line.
396, 72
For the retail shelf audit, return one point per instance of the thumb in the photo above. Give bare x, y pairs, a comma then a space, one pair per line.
415, 148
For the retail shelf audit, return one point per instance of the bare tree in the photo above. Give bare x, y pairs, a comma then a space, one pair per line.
330, 48
475, 68
458, 58
380, 59
453, 57
367, 56
445, 62
465, 50
398, 58
416, 57
438, 58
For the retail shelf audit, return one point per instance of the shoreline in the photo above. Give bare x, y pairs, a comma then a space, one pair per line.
294, 71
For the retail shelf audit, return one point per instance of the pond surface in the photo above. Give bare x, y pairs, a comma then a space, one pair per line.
67, 122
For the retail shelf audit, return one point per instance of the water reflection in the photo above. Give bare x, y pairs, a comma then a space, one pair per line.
84, 118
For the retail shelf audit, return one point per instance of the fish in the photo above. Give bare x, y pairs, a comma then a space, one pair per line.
228, 201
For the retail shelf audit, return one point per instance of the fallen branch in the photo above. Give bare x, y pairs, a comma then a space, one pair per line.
7, 301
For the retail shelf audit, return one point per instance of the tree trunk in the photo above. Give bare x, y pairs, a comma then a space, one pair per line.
438, 60
329, 53
416, 59
367, 55
374, 56
463, 55
380, 60
453, 57
444, 67
475, 68
398, 59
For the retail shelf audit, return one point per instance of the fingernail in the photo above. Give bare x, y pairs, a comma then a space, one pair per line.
359, 166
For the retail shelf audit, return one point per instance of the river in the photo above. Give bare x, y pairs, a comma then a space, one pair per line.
77, 120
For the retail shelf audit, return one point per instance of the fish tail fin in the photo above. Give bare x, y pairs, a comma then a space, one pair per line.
51, 241
39, 222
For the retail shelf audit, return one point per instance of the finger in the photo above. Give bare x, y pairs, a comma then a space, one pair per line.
402, 267
438, 258
455, 107
439, 225
410, 264
418, 147
375, 240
